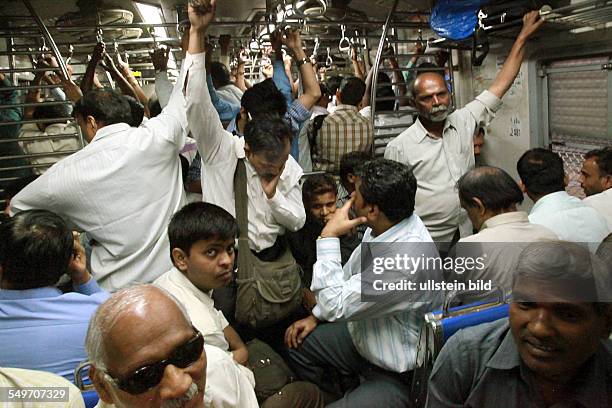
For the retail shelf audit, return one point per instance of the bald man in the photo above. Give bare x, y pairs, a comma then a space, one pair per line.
439, 145
145, 352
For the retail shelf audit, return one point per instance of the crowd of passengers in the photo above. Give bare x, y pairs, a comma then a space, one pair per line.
184, 255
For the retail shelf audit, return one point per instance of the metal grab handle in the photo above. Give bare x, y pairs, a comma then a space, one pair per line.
316, 46
451, 296
78, 376
344, 40
328, 61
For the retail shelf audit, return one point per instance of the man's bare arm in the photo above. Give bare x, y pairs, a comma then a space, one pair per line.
505, 77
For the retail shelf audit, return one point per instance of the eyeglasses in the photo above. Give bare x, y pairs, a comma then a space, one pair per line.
147, 377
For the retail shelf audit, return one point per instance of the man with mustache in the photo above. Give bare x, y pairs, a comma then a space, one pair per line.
439, 145
553, 351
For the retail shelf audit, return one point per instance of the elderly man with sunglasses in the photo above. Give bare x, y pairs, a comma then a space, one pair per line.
145, 352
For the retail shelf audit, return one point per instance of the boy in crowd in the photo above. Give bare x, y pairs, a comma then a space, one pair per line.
202, 239
319, 194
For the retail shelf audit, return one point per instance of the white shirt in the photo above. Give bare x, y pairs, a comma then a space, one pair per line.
501, 240
230, 93
47, 144
602, 202
384, 332
226, 385
220, 151
570, 219
122, 189
199, 305
439, 163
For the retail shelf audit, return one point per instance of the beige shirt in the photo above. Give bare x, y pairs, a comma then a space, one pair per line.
200, 307
439, 163
19, 379
46, 144
602, 202
500, 241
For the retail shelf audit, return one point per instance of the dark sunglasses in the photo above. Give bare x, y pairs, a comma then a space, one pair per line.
147, 377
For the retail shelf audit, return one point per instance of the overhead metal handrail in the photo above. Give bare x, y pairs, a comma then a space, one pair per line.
378, 59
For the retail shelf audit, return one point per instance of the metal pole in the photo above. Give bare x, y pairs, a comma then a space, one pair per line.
377, 64
48, 38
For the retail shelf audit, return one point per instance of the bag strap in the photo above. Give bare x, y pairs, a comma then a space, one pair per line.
241, 206
241, 198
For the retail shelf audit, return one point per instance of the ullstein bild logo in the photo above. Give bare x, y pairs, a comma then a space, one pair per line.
431, 285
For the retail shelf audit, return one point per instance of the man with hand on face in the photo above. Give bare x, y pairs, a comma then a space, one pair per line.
553, 351
274, 202
439, 145
374, 339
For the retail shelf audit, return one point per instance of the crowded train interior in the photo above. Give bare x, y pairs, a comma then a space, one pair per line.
306, 203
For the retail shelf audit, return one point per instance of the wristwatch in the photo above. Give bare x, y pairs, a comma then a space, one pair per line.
301, 62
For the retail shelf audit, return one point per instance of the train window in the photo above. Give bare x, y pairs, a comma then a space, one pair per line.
579, 110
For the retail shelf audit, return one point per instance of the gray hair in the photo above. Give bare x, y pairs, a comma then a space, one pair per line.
107, 315
566, 263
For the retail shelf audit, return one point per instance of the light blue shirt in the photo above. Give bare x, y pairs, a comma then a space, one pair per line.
570, 219
43, 329
385, 332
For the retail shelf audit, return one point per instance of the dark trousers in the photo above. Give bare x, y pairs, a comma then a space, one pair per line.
330, 347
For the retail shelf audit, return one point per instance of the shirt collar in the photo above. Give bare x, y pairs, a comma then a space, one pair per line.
513, 217
37, 293
387, 236
423, 133
507, 356
592, 388
109, 130
549, 199
346, 108
181, 280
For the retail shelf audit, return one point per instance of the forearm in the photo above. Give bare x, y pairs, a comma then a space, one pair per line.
398, 78
236, 345
504, 79
310, 85
365, 101
88, 78
357, 69
122, 83
131, 79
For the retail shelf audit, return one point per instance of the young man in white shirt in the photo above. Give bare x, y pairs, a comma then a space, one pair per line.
543, 180
596, 181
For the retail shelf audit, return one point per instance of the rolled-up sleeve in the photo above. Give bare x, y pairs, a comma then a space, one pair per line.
484, 107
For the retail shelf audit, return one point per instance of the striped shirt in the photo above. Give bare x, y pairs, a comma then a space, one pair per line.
384, 332
342, 132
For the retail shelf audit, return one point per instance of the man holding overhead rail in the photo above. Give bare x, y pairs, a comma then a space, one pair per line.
122, 188
439, 145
